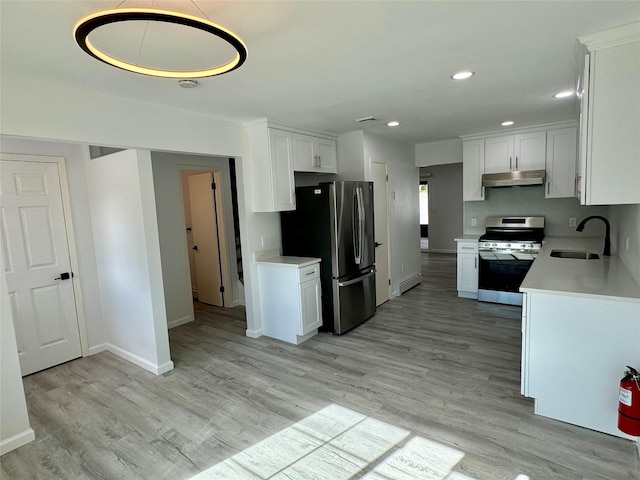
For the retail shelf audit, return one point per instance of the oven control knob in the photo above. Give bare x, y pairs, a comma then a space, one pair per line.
508, 245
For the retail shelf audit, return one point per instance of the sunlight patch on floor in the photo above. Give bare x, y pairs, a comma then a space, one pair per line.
337, 443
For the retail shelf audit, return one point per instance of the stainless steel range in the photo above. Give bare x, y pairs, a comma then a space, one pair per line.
507, 250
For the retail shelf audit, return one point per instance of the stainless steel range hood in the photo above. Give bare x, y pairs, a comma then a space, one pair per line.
510, 179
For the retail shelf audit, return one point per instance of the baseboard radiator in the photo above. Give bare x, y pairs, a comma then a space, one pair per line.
409, 283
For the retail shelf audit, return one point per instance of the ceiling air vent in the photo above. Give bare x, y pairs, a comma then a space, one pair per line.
370, 118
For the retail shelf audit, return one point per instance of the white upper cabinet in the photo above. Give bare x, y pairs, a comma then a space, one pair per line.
271, 163
314, 154
561, 163
609, 167
515, 152
276, 150
472, 170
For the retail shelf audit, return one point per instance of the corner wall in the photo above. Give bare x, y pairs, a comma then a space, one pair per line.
404, 213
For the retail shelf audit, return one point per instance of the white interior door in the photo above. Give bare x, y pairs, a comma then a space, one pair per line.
381, 216
37, 265
204, 232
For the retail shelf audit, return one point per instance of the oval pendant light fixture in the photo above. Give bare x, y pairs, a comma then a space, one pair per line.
91, 22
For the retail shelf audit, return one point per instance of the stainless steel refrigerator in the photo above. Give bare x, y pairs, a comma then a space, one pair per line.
334, 221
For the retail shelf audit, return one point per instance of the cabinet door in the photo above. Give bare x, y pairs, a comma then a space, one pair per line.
561, 163
498, 154
472, 170
327, 152
304, 153
281, 157
613, 143
468, 272
311, 300
530, 151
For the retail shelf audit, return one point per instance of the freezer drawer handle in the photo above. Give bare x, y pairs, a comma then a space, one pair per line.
356, 280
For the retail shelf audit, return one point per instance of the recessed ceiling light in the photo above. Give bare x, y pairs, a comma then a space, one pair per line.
462, 75
393, 123
508, 123
565, 94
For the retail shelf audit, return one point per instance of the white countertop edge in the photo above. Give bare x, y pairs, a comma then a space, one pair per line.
292, 262
467, 238
580, 294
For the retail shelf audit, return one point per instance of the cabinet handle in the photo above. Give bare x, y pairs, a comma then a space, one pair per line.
475, 262
311, 273
510, 163
516, 162
548, 188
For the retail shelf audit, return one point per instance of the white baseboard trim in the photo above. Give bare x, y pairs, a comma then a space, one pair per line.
141, 362
97, 348
17, 440
254, 333
179, 321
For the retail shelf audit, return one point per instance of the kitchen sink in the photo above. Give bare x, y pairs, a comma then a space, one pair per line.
574, 254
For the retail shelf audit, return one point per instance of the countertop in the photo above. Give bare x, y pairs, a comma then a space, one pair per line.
467, 238
294, 262
605, 277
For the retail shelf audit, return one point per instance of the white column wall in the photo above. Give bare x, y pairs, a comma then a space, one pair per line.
123, 215
15, 430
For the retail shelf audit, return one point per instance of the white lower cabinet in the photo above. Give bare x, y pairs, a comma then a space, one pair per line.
468, 268
290, 298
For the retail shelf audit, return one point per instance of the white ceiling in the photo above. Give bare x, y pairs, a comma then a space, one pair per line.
320, 64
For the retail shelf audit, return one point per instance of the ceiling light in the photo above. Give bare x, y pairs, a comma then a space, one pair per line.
88, 24
462, 75
565, 94
393, 123
508, 123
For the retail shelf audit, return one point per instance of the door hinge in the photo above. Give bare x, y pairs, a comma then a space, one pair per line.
389, 281
387, 177
213, 185
221, 289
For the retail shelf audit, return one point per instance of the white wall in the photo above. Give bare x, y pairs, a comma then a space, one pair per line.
173, 242
350, 152
438, 153
15, 430
123, 216
625, 221
404, 212
530, 201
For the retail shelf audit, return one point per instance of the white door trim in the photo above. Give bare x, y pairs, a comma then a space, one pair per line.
388, 233
66, 206
222, 228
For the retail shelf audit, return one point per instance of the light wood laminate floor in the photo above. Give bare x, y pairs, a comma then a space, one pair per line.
443, 370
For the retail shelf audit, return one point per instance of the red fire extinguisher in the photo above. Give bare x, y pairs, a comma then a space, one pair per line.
629, 403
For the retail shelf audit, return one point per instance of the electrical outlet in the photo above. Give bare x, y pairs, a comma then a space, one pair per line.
403, 267
626, 243
474, 222
264, 241
572, 222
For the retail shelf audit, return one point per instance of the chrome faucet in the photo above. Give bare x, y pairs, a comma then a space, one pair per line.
607, 240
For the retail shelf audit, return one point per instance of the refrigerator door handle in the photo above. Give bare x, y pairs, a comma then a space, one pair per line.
356, 280
356, 227
360, 204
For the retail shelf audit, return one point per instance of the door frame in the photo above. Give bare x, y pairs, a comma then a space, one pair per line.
388, 232
71, 241
225, 269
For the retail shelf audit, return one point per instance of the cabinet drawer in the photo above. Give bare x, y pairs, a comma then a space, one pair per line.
309, 273
467, 247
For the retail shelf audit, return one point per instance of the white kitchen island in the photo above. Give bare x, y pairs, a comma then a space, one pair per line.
580, 328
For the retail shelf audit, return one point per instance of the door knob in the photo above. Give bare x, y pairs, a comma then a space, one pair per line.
64, 276
377, 244
195, 247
